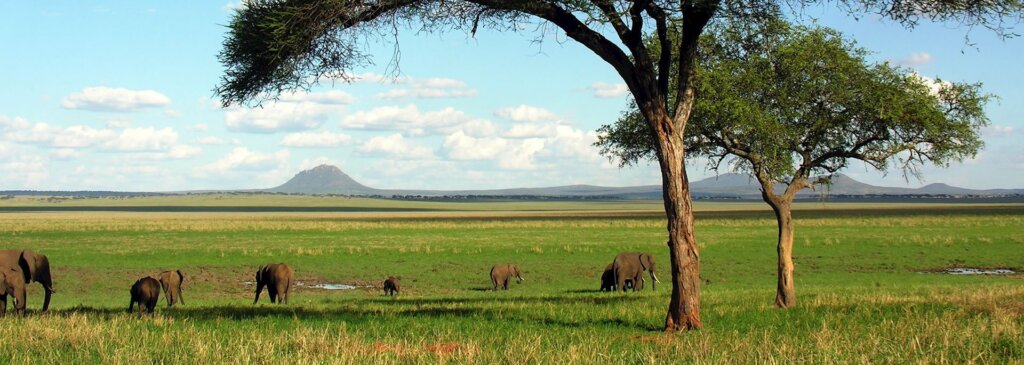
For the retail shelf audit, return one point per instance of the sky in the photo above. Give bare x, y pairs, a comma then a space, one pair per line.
117, 95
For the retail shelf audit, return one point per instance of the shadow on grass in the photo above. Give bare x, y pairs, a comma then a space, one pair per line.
360, 311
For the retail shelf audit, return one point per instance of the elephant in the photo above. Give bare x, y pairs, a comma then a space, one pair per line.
171, 282
34, 267
278, 278
145, 291
12, 282
631, 266
501, 273
391, 285
608, 280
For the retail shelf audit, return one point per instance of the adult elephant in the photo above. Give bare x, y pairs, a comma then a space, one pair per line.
631, 266
501, 273
171, 282
278, 278
34, 267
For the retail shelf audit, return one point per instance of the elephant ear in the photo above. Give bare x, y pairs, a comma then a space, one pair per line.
3, 283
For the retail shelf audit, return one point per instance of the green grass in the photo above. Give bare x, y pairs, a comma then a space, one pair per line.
864, 291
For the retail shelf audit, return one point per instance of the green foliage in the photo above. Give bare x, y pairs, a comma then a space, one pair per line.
791, 101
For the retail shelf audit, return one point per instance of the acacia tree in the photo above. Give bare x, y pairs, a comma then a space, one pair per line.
278, 45
793, 105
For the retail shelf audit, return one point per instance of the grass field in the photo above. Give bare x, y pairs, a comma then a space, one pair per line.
867, 291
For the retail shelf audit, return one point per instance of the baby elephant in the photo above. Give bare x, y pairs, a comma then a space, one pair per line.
12, 282
391, 286
145, 291
171, 282
501, 273
278, 279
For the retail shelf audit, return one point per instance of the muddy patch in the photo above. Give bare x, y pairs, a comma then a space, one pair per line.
972, 271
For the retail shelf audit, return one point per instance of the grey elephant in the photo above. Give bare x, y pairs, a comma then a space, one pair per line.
171, 282
34, 267
501, 273
12, 282
278, 278
630, 266
391, 286
145, 292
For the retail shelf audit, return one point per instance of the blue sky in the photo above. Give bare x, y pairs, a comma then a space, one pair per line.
118, 96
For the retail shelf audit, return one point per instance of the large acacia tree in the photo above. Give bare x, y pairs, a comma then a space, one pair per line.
277, 45
793, 105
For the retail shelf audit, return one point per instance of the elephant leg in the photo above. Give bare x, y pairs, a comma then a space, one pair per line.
259, 289
180, 297
3, 305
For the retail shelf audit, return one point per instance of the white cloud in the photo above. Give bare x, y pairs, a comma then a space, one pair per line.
201, 127
514, 154
211, 141
934, 85
606, 90
395, 146
997, 131
24, 172
315, 139
293, 112
564, 141
143, 139
75, 136
309, 163
114, 99
408, 119
119, 123
243, 159
172, 113
429, 88
916, 59
66, 154
526, 113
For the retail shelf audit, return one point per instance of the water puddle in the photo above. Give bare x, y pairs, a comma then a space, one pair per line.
323, 286
973, 271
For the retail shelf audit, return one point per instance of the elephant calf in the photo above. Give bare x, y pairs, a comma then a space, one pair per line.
391, 286
278, 279
501, 273
12, 282
171, 282
145, 291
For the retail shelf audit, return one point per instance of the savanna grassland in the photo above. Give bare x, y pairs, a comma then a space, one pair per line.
867, 283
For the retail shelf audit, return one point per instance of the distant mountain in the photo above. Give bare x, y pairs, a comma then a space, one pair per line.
326, 179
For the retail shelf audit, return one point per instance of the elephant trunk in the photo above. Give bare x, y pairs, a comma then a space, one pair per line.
42, 275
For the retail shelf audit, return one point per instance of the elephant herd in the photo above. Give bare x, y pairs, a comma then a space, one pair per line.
19, 268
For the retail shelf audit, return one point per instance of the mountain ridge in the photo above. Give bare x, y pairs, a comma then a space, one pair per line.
328, 179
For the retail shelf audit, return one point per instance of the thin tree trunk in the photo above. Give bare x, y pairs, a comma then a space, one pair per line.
684, 307
785, 294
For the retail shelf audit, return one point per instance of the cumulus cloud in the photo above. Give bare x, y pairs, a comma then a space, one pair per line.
293, 112
564, 141
315, 139
934, 85
997, 131
410, 120
395, 146
244, 159
211, 141
916, 59
66, 154
516, 154
119, 123
429, 88
526, 113
106, 99
24, 172
606, 90
142, 139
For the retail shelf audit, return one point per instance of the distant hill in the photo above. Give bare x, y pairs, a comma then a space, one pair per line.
327, 179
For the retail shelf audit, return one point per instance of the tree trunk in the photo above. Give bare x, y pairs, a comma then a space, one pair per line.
684, 307
785, 294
